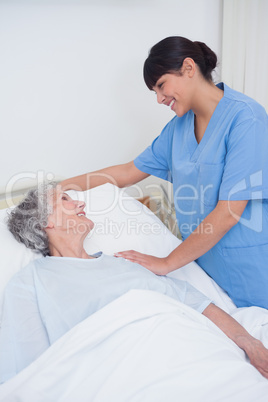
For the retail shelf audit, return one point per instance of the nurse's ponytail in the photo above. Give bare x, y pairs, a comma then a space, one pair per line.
167, 56
210, 60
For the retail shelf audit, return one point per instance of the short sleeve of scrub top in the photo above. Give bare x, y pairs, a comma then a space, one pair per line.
157, 158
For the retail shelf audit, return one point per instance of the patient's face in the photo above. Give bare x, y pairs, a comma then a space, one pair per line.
68, 214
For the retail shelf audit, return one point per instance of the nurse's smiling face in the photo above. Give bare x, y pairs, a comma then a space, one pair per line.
176, 89
171, 90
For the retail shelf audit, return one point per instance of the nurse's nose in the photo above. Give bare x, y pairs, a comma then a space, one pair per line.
160, 98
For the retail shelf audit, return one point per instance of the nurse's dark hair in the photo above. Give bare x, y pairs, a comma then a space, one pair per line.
28, 220
167, 56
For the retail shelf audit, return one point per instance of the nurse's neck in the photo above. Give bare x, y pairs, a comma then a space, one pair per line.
206, 99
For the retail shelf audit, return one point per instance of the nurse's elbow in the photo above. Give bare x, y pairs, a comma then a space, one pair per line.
231, 221
231, 211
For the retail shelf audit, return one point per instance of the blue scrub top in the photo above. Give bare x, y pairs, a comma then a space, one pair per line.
230, 163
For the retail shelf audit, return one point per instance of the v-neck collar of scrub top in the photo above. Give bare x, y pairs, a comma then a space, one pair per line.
196, 148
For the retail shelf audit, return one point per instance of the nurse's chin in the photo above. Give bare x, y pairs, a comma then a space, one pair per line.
180, 113
178, 110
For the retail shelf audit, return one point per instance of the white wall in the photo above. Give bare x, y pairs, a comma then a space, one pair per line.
244, 58
72, 95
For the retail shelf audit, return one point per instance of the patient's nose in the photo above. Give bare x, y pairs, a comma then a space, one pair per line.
81, 204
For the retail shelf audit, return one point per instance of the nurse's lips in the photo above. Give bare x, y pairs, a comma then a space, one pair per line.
171, 104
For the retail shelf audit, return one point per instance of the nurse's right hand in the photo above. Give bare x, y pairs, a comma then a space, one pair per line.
156, 265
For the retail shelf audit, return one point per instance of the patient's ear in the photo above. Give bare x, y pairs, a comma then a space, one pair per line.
50, 224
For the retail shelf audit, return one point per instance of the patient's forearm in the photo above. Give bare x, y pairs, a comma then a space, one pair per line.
257, 353
119, 175
228, 325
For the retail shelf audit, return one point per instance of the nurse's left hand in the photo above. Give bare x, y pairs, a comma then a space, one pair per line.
157, 265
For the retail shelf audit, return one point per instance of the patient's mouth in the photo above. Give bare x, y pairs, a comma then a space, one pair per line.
81, 213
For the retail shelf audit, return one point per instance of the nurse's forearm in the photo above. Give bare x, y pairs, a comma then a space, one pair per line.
207, 234
119, 175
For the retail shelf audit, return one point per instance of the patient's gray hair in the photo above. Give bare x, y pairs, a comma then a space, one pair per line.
27, 221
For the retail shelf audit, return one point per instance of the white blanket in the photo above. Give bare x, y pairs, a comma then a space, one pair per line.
144, 346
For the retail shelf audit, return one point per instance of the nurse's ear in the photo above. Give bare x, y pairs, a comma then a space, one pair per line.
188, 67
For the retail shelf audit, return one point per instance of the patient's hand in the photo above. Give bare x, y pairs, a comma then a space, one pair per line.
257, 353
157, 265
258, 356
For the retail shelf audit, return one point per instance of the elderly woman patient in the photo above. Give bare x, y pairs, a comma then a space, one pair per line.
55, 292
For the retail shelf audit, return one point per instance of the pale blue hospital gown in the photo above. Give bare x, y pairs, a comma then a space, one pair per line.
51, 295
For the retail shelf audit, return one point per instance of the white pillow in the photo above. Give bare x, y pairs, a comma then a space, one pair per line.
121, 223
13, 254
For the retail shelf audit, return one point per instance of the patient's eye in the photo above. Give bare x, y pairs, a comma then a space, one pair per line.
64, 197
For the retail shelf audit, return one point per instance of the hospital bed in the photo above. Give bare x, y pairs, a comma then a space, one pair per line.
143, 346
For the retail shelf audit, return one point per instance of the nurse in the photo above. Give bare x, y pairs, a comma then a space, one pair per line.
215, 152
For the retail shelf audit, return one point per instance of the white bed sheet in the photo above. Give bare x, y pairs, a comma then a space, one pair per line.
144, 346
